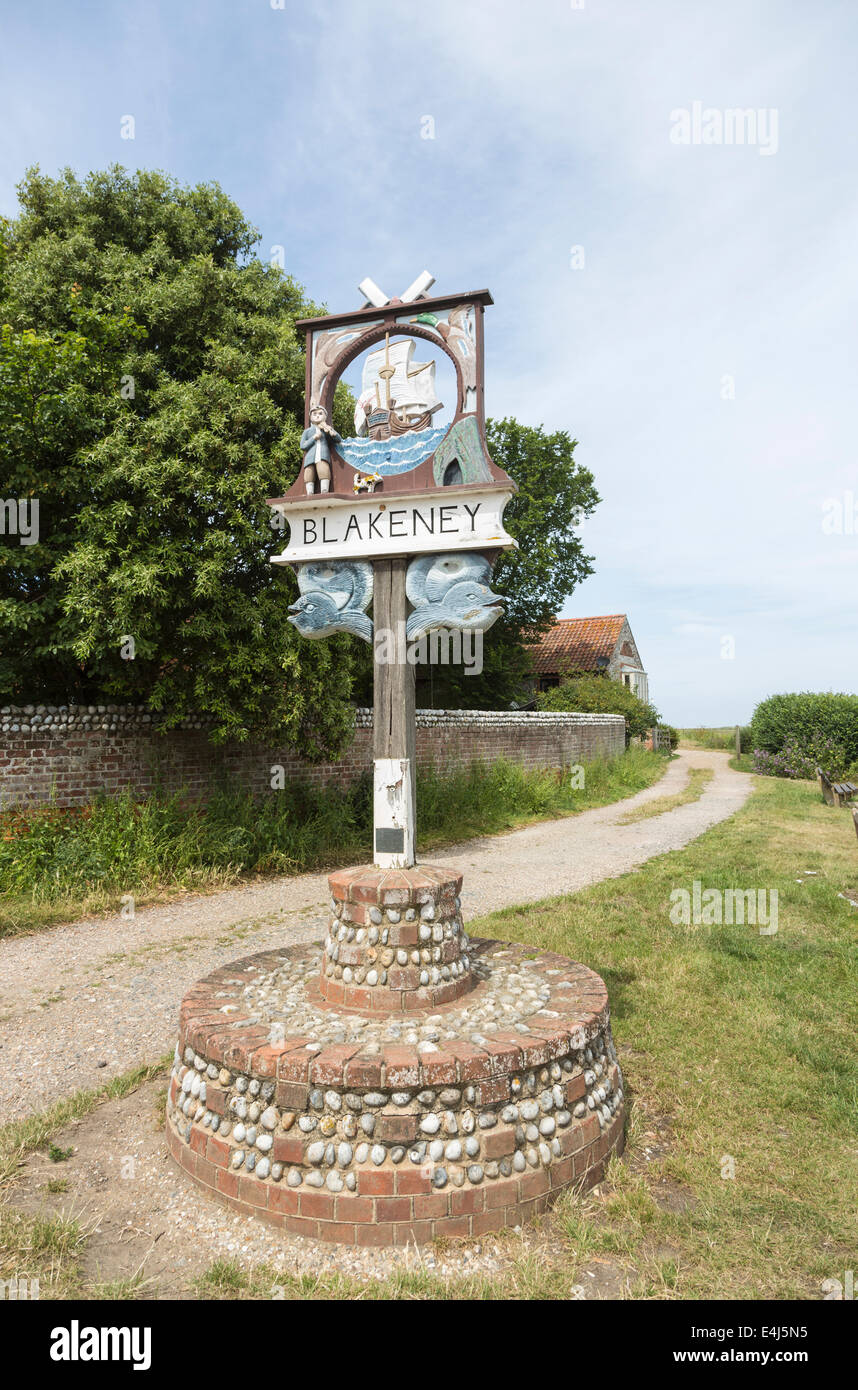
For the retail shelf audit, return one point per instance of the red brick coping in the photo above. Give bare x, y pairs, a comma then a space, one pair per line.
332, 1140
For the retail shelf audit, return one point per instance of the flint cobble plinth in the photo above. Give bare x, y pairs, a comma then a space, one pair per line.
380, 1127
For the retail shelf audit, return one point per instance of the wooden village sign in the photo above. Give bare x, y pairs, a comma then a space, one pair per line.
405, 515
424, 1047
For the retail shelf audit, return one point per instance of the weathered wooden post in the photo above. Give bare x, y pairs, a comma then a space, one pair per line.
355, 1094
393, 725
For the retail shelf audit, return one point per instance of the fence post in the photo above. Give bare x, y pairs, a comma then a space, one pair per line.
738, 741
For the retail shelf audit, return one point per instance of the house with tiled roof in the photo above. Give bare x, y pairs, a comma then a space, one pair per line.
601, 646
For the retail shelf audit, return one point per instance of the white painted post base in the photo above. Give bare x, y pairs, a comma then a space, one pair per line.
393, 823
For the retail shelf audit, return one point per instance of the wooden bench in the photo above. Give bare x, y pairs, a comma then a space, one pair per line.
835, 793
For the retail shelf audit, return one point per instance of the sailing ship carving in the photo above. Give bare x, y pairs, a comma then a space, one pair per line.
397, 395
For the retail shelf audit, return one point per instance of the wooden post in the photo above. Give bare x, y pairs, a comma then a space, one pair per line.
738, 741
394, 739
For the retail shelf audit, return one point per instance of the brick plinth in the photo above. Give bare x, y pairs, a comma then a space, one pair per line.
396, 941
401, 1212
453, 1120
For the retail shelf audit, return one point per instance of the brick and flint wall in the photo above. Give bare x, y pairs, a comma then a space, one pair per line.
69, 755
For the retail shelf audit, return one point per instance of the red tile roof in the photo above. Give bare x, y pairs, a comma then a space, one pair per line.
576, 644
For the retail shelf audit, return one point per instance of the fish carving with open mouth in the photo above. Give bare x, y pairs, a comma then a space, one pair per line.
451, 591
334, 598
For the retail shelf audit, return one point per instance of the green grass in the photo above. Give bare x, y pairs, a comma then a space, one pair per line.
698, 780
137, 1286
741, 1045
57, 865
529, 1277
723, 738
43, 1248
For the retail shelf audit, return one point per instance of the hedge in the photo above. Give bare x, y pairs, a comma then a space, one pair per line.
807, 722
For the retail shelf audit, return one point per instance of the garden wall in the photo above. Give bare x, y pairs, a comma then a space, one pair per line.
71, 754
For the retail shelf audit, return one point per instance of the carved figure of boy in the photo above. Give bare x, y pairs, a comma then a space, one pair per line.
316, 444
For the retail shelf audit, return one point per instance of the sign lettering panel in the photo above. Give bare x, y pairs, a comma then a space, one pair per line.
372, 528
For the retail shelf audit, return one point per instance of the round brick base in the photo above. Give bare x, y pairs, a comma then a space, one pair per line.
372, 1129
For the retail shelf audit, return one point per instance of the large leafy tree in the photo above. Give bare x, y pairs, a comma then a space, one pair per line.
151, 389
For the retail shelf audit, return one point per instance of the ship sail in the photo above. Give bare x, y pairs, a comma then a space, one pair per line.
392, 381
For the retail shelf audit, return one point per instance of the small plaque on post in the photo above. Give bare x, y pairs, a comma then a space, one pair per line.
389, 841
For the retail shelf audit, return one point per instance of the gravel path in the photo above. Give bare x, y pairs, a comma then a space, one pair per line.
87, 1001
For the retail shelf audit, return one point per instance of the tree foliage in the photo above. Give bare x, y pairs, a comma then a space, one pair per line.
151, 396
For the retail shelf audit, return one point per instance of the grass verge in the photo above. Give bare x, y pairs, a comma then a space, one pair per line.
56, 866
698, 780
738, 1053
42, 1250
20, 1137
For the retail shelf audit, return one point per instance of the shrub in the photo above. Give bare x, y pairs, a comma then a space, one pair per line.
586, 694
793, 761
822, 726
790, 762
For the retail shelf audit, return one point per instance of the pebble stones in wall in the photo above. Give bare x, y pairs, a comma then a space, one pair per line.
57, 720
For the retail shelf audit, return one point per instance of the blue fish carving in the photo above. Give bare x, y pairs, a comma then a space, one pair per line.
450, 591
334, 597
